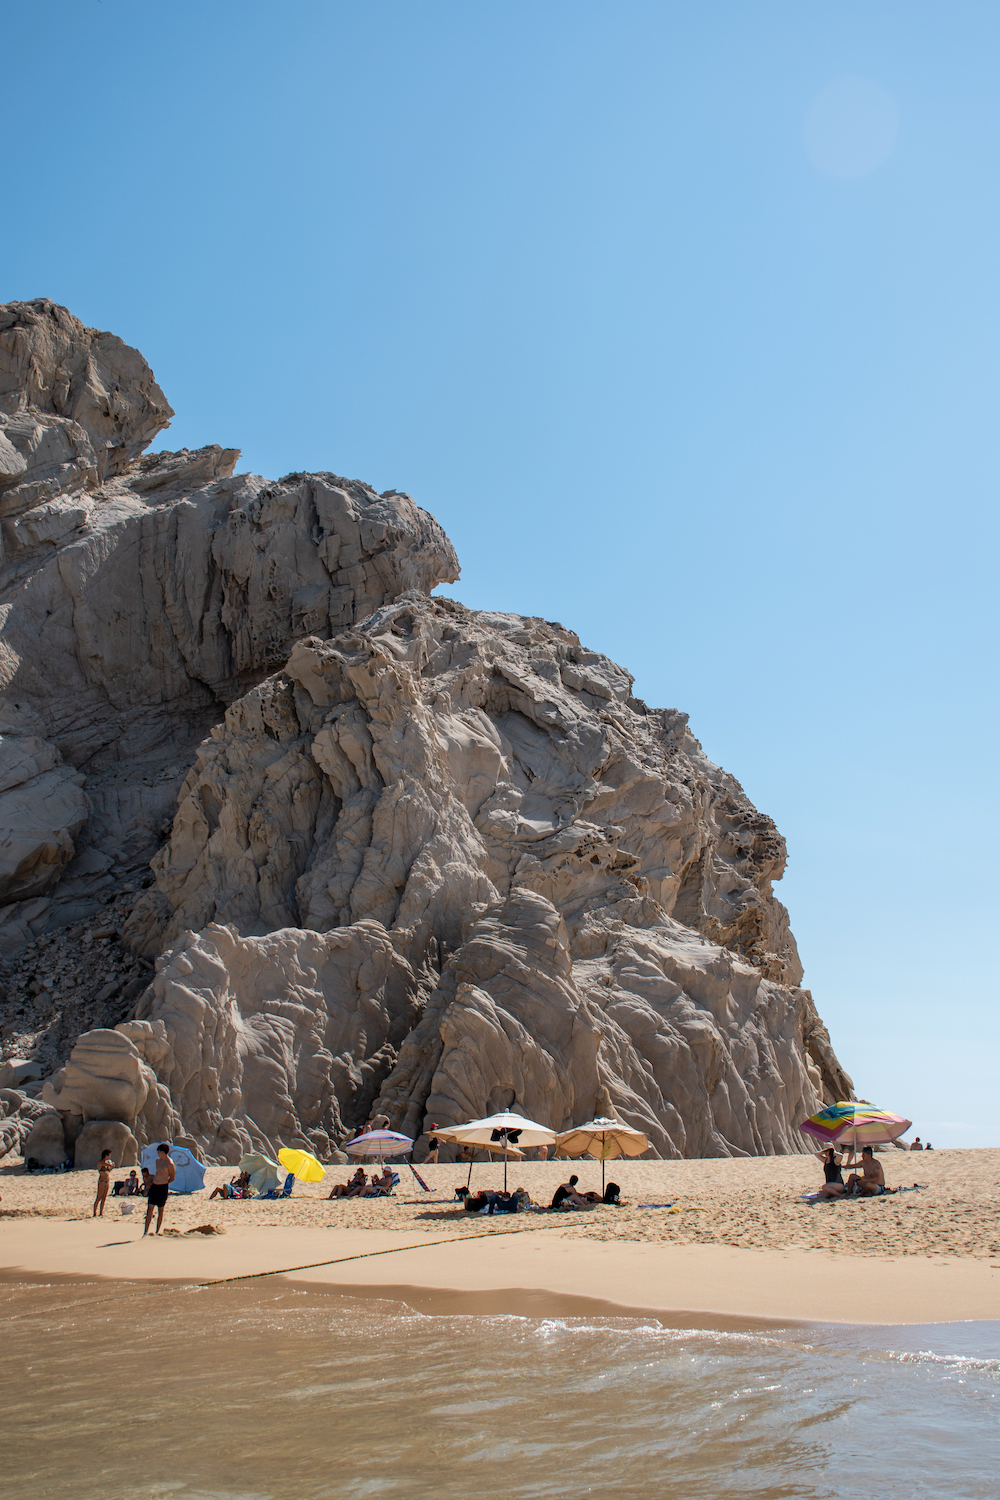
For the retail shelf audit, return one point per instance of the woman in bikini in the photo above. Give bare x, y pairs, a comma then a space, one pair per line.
833, 1185
105, 1167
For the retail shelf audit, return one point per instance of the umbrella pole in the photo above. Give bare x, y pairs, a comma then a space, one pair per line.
602, 1172
505, 1163
471, 1160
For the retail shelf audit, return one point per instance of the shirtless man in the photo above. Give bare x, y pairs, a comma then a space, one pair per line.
871, 1181
378, 1185
159, 1187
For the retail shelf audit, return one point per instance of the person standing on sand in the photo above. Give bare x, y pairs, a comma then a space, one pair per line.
105, 1167
433, 1145
159, 1187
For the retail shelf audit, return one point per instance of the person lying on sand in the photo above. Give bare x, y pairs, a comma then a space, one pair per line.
871, 1181
833, 1187
351, 1189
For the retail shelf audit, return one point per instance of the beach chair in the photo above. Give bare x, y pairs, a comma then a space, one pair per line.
286, 1190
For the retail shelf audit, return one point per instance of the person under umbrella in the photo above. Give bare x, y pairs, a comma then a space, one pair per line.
604, 1138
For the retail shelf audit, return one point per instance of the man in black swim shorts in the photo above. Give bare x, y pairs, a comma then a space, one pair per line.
159, 1187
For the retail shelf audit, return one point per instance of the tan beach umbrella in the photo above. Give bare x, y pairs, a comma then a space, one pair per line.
604, 1138
506, 1128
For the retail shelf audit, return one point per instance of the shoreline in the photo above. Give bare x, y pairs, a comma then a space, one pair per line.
542, 1274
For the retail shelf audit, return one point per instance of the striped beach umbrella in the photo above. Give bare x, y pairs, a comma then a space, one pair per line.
379, 1144
854, 1123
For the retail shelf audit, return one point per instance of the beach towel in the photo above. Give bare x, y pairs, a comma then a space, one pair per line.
658, 1205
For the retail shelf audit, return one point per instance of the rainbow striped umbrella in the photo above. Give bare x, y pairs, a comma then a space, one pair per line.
855, 1124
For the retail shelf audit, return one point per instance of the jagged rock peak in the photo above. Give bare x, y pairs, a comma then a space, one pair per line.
50, 363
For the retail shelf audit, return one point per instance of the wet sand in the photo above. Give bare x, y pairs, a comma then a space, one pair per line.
741, 1244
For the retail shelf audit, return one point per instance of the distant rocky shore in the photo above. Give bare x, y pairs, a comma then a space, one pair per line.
286, 840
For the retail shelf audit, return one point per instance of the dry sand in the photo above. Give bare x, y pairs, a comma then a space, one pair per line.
740, 1242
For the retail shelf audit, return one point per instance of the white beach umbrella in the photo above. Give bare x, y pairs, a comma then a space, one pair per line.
506, 1127
604, 1138
493, 1148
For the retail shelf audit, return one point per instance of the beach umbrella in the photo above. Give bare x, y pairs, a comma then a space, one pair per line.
603, 1138
854, 1123
302, 1164
507, 1128
494, 1148
262, 1169
379, 1144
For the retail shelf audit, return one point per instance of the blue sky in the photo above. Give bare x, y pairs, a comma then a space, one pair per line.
684, 322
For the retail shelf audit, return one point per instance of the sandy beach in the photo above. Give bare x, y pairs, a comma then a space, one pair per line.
737, 1241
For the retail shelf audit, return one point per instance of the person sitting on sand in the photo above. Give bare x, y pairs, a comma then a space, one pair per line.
566, 1193
916, 1145
351, 1189
871, 1181
833, 1187
928, 1147
105, 1167
236, 1187
133, 1187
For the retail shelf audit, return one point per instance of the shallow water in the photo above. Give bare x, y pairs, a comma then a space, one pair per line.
266, 1391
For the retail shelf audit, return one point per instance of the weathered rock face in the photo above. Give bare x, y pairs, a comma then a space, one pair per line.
418, 858
282, 1038
422, 764
19, 1116
45, 1141
50, 362
99, 1136
141, 594
437, 766
42, 809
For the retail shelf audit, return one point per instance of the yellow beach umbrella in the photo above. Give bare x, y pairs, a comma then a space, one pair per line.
302, 1164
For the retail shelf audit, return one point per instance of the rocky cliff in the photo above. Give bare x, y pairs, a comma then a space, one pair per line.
346, 845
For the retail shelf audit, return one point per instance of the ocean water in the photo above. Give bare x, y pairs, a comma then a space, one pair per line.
270, 1391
